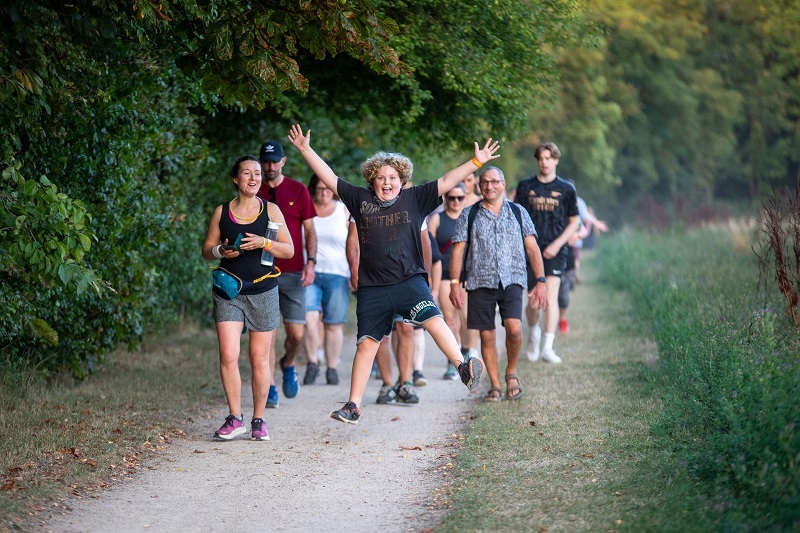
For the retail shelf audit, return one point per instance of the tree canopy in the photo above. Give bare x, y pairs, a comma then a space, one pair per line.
118, 120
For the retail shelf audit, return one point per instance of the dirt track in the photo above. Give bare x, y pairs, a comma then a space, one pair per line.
384, 474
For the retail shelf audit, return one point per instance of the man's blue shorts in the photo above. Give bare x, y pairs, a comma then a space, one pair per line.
329, 294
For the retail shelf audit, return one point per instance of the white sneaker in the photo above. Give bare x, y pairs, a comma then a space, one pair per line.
549, 356
534, 341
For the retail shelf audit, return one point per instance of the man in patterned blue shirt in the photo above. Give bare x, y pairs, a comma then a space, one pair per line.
499, 239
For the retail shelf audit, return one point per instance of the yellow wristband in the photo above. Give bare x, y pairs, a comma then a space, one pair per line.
455, 281
476, 162
268, 244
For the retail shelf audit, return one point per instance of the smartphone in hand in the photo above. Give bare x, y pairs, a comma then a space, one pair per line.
230, 247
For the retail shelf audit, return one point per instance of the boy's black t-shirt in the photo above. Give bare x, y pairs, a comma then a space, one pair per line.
550, 206
389, 237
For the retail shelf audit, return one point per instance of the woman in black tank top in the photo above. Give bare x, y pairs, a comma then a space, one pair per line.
236, 236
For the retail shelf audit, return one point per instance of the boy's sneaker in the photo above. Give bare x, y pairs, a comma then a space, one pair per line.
349, 413
258, 429
312, 371
272, 397
451, 372
387, 395
233, 427
407, 394
534, 340
549, 356
290, 384
470, 372
332, 376
419, 379
563, 326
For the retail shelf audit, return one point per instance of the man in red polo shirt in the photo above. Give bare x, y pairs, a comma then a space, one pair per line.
294, 200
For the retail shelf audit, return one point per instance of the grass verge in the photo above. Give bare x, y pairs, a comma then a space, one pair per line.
60, 438
675, 408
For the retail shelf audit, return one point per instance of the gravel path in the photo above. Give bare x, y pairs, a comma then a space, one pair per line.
384, 474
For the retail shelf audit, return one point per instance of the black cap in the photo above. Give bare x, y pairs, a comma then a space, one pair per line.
271, 151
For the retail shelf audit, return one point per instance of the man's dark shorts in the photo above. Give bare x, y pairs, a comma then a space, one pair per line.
377, 306
552, 267
481, 305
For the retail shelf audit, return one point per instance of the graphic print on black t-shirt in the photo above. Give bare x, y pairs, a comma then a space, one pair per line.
550, 206
391, 247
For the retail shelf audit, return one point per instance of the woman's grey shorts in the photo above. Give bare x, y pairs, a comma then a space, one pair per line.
259, 312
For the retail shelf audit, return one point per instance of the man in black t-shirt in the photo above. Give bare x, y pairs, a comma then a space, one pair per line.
392, 278
552, 203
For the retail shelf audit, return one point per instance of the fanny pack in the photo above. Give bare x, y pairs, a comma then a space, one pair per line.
228, 285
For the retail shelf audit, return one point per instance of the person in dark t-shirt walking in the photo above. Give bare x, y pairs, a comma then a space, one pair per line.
552, 203
392, 278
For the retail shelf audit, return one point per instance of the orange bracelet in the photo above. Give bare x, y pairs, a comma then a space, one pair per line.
476, 162
268, 243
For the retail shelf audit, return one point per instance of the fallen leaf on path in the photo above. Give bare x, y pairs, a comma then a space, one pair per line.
198, 451
410, 448
532, 422
588, 455
395, 419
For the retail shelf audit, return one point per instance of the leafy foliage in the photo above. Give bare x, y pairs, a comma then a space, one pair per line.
126, 114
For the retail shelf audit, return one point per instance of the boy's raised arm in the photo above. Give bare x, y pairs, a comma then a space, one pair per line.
314, 161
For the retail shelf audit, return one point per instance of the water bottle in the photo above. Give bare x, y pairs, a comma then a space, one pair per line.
267, 258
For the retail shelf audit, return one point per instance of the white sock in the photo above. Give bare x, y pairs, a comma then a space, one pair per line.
548, 342
536, 332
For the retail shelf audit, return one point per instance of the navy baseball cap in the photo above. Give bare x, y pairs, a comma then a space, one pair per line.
271, 151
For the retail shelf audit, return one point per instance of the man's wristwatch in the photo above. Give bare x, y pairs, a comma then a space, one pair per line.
541, 280
313, 260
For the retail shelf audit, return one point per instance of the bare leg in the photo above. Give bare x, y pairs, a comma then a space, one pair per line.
334, 337
384, 359
259, 363
444, 339
229, 335
513, 343
419, 349
294, 339
489, 354
405, 350
311, 340
362, 366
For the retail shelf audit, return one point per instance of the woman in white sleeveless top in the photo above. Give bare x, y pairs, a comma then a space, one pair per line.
328, 297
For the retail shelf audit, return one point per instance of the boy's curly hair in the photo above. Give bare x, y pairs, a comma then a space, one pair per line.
399, 162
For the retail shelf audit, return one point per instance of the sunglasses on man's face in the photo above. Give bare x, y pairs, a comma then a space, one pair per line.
455, 198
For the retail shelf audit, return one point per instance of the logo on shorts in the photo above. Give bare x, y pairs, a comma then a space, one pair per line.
421, 308
556, 272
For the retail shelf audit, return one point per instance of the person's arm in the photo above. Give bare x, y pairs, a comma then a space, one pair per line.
427, 254
436, 280
311, 252
538, 294
456, 260
314, 161
552, 249
433, 224
482, 155
352, 251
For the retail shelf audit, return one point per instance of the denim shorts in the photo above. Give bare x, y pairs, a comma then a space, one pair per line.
292, 296
377, 306
329, 294
259, 312
481, 305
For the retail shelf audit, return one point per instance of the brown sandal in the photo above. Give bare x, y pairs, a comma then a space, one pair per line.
494, 395
520, 390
